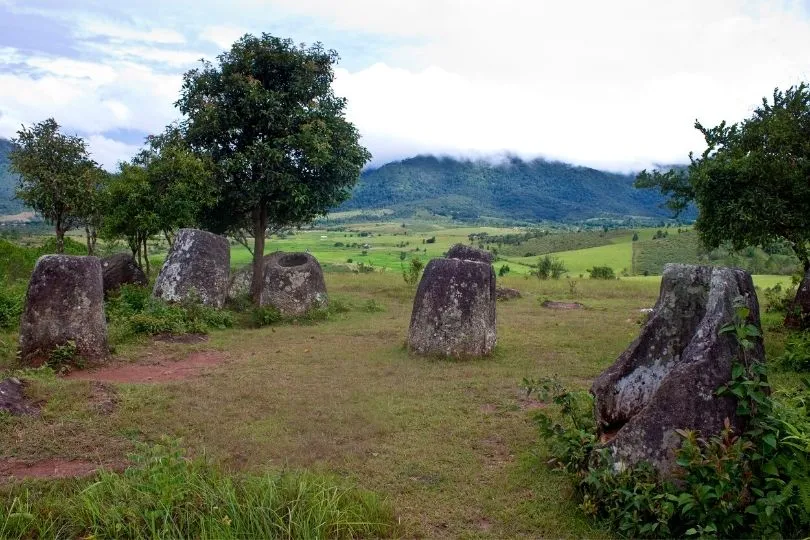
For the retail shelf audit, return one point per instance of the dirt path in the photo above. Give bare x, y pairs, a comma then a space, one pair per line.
156, 371
15, 469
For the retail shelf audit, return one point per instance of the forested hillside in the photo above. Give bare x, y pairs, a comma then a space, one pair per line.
513, 189
8, 183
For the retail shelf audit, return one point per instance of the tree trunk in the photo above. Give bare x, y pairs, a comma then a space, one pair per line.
798, 315
60, 236
169, 239
89, 243
259, 228
146, 255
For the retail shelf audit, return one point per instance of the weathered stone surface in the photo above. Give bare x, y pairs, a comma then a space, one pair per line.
293, 283
13, 400
65, 302
454, 310
798, 316
469, 253
239, 283
505, 293
667, 378
198, 264
121, 269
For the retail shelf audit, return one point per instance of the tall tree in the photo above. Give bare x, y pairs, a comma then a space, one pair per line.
283, 152
752, 183
57, 178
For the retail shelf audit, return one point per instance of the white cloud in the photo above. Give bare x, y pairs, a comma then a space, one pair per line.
222, 36
88, 27
611, 84
108, 152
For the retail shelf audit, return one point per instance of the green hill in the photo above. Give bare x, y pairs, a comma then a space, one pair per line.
513, 189
8, 183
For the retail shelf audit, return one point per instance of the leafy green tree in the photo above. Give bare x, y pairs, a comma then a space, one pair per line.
57, 178
752, 183
269, 121
163, 188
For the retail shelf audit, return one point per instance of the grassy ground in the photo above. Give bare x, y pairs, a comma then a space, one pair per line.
447, 442
450, 444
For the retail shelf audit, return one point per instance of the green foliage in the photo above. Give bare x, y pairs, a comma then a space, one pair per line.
516, 189
650, 256
57, 178
63, 355
268, 120
503, 270
549, 267
163, 188
165, 495
265, 316
413, 272
780, 299
750, 184
602, 272
12, 300
135, 312
796, 356
728, 485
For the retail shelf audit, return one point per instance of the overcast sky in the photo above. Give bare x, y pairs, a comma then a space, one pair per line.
613, 84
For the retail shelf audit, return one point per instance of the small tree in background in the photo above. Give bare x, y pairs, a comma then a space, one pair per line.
57, 177
282, 151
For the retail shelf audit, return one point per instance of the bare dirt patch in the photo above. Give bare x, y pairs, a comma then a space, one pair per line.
104, 397
14, 469
156, 371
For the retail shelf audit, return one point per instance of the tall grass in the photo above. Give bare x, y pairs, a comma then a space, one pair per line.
164, 495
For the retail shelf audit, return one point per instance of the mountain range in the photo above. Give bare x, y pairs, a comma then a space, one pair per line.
510, 189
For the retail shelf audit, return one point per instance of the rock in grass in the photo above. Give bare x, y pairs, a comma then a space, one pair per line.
454, 310
121, 269
13, 400
197, 266
64, 302
469, 253
505, 293
668, 377
798, 315
293, 283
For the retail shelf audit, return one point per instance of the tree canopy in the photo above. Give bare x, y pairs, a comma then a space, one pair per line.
267, 118
57, 178
752, 182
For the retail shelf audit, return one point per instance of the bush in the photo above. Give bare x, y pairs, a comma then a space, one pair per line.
137, 313
602, 272
64, 355
797, 352
165, 495
265, 316
413, 272
504, 270
550, 267
11, 306
779, 299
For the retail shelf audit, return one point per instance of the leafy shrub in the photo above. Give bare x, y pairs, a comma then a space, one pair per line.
165, 495
372, 306
729, 485
265, 316
602, 272
778, 298
504, 270
134, 309
413, 272
797, 352
63, 355
550, 267
11, 306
